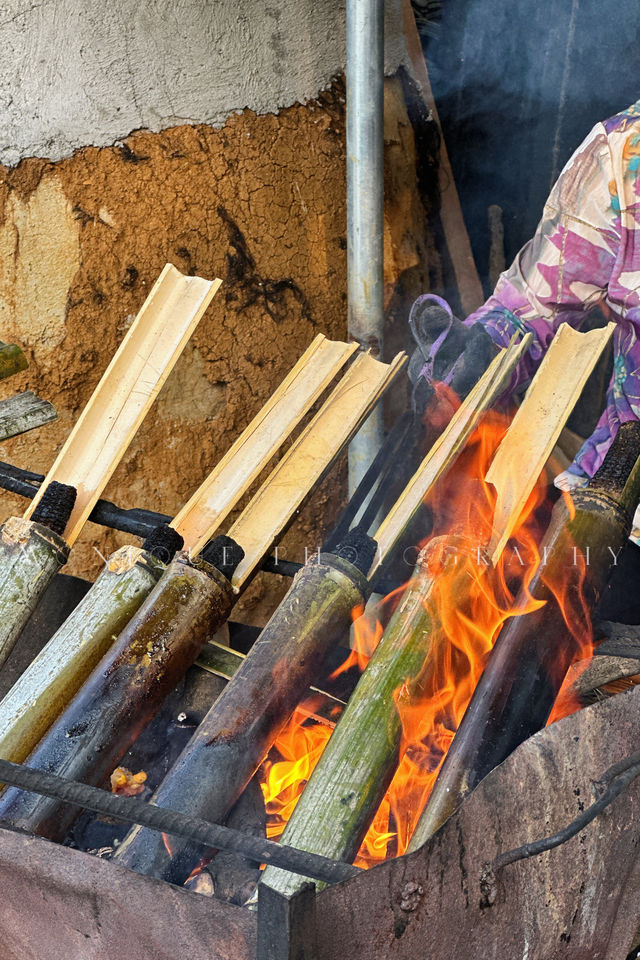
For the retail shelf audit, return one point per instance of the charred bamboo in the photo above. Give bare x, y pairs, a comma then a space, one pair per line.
51, 680
166, 635
517, 690
350, 779
125, 690
30, 556
236, 734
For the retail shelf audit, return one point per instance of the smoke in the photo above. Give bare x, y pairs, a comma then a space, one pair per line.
518, 86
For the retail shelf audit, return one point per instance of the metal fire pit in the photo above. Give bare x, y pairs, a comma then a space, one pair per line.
580, 900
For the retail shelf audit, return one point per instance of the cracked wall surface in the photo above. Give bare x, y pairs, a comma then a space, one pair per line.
80, 72
259, 203
239, 173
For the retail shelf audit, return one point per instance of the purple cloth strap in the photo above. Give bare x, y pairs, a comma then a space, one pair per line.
427, 369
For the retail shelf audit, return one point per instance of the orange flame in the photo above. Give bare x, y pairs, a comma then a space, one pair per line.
366, 636
300, 745
432, 706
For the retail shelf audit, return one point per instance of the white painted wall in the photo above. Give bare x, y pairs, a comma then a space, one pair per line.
80, 72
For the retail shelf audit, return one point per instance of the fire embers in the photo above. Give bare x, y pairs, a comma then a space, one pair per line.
127, 784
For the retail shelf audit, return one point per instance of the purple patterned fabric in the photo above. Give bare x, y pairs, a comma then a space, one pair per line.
586, 250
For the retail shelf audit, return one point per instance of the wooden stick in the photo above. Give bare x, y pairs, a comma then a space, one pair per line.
24, 412
551, 397
127, 389
224, 662
587, 680
455, 231
260, 441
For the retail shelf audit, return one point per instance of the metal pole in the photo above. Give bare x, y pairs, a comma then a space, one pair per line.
365, 108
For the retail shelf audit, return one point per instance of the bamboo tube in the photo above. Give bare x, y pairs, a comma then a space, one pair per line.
168, 633
127, 390
447, 447
30, 556
237, 732
124, 691
50, 682
260, 441
516, 692
538, 424
12, 360
352, 775
97, 443
62, 666
350, 780
305, 463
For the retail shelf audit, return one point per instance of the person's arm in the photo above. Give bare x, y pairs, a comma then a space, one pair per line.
565, 268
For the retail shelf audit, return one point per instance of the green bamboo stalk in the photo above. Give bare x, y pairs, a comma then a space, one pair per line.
225, 662
356, 767
60, 669
12, 360
237, 732
30, 556
124, 691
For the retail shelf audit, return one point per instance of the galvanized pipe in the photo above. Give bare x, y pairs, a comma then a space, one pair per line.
365, 199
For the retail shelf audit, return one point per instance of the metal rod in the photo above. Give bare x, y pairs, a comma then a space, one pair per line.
136, 521
175, 824
365, 178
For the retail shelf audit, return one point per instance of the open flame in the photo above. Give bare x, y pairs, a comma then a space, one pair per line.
431, 708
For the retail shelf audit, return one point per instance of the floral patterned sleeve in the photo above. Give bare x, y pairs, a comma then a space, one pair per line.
565, 269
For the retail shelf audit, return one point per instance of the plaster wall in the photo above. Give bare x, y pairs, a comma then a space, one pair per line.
84, 72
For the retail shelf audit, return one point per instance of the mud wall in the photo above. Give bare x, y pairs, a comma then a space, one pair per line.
258, 201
